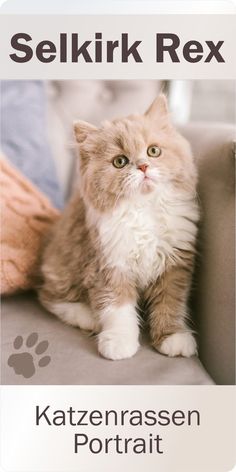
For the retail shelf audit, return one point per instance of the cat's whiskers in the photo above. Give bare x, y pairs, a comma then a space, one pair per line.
125, 184
119, 193
132, 182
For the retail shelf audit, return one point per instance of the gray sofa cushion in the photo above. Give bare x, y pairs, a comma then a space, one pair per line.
214, 294
74, 356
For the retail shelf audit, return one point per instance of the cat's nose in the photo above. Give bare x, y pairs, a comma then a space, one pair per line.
143, 167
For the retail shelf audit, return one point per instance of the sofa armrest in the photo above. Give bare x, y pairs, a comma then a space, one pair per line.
213, 294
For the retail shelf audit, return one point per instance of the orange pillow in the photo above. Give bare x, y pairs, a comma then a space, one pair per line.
26, 215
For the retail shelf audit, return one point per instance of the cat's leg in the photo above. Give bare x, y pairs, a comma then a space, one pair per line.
167, 306
119, 323
73, 313
118, 338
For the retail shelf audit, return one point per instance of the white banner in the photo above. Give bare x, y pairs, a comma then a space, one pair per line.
117, 47
114, 428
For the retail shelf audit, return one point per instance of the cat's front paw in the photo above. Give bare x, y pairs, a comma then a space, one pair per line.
117, 346
178, 344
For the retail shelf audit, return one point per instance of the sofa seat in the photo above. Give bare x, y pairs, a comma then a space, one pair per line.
74, 355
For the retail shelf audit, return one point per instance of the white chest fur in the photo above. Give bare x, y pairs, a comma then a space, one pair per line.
140, 235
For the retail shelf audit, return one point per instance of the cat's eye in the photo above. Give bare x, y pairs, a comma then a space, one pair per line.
153, 151
120, 161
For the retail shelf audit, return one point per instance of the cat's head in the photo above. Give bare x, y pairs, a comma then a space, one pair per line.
132, 157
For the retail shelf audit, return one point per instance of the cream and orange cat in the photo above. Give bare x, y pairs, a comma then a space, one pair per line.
127, 238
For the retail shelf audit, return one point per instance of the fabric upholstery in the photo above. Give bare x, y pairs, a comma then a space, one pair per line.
74, 356
213, 295
24, 137
26, 215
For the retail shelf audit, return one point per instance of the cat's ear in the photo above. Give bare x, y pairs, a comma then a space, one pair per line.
158, 108
82, 129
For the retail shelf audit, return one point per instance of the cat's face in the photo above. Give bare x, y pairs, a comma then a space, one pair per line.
133, 156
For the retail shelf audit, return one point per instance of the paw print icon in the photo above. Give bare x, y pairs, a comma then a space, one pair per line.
29, 355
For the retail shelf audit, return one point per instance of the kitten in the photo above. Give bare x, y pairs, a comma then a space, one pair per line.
127, 237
